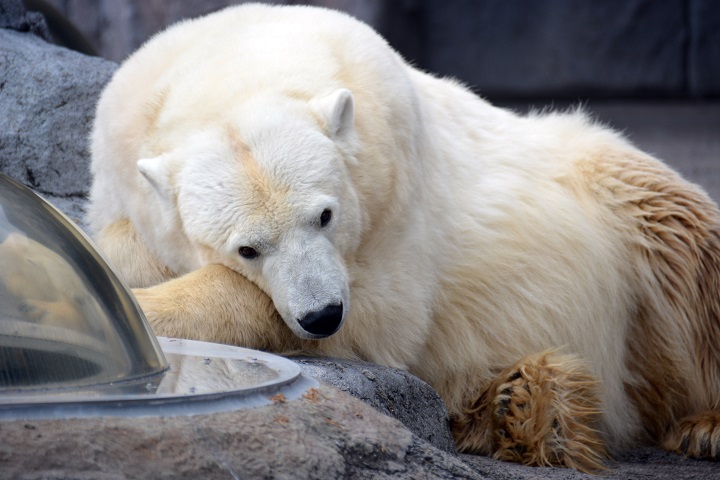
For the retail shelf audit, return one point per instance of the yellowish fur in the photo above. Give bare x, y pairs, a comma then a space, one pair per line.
541, 411
477, 243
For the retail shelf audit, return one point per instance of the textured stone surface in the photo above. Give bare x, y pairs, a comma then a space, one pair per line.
47, 100
13, 16
392, 392
639, 464
324, 435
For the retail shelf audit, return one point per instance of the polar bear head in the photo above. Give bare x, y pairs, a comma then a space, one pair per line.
268, 192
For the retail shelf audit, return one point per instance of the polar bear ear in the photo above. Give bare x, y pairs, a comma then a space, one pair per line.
337, 110
156, 172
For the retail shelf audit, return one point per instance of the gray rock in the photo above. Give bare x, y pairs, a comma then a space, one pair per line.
13, 16
642, 463
393, 392
47, 100
324, 435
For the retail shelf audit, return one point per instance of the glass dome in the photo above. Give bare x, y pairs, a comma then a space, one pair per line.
73, 341
66, 320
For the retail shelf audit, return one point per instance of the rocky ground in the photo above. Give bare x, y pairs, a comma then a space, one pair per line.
367, 421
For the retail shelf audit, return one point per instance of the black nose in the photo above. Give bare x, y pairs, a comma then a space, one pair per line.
324, 322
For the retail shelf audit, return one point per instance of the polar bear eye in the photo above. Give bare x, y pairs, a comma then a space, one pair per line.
325, 217
247, 252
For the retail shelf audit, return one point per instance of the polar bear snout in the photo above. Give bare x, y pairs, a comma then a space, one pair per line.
323, 323
308, 284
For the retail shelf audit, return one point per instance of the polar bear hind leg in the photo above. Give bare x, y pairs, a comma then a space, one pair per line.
673, 341
541, 411
675, 346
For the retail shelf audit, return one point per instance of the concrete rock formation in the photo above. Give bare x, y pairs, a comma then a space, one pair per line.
392, 392
14, 16
47, 100
324, 435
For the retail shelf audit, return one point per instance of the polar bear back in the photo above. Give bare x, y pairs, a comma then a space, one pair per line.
254, 49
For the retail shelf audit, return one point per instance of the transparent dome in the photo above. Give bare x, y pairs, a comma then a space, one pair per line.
66, 320
73, 341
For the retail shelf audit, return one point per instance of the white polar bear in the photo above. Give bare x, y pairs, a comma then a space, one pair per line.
279, 178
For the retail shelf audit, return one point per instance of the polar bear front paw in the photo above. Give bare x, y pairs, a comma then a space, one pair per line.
160, 311
543, 414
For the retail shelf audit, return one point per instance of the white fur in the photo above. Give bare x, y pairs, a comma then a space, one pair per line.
459, 240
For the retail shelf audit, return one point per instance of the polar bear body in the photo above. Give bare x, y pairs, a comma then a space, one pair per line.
461, 238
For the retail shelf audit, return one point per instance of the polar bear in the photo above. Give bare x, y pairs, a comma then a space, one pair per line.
279, 178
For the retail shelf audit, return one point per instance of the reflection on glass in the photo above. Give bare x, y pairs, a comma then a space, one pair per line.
198, 370
192, 375
65, 318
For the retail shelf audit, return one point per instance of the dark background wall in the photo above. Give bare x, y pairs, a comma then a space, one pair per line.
555, 47
517, 48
